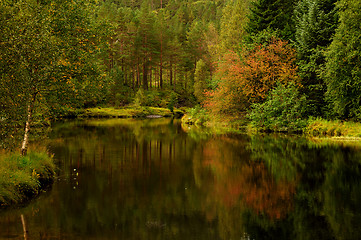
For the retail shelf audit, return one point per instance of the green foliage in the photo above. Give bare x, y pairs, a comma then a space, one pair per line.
120, 92
233, 24
332, 128
172, 101
282, 110
272, 15
196, 115
343, 67
47, 54
79, 54
201, 77
125, 112
139, 99
315, 25
23, 177
248, 77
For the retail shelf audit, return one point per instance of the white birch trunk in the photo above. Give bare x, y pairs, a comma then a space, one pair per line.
24, 146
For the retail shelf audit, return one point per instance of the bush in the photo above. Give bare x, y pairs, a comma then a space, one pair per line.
282, 111
196, 115
172, 101
140, 98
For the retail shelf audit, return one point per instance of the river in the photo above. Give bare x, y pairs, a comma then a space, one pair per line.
153, 179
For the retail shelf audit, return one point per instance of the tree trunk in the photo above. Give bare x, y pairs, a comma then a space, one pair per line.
174, 79
161, 62
171, 74
138, 74
25, 230
24, 146
145, 75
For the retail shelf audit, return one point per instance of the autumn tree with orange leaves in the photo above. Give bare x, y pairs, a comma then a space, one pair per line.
248, 77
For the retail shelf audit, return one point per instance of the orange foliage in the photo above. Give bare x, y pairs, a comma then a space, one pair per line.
262, 194
249, 78
247, 183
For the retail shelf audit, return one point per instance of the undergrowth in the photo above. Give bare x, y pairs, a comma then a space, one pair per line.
23, 177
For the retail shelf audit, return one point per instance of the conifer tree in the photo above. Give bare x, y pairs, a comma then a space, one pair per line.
343, 67
273, 15
233, 23
200, 80
316, 22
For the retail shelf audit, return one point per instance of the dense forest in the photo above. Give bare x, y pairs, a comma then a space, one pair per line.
275, 63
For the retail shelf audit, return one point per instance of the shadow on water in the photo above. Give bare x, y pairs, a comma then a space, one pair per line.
149, 179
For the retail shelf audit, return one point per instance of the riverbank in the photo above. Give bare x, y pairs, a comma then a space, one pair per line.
24, 177
123, 112
315, 128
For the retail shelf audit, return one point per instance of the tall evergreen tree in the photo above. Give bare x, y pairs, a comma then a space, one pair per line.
343, 67
316, 22
201, 76
273, 15
233, 24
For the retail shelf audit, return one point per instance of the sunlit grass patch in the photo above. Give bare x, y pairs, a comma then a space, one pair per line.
22, 177
320, 127
125, 112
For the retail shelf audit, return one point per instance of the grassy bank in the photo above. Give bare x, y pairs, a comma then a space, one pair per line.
314, 127
22, 178
326, 128
128, 112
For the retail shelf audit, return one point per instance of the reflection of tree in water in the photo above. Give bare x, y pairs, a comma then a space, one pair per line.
265, 195
342, 194
236, 186
280, 187
249, 182
152, 181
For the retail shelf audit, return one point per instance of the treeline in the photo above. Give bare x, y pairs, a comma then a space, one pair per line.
276, 61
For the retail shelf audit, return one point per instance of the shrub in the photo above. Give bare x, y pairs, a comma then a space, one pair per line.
172, 100
282, 111
196, 115
140, 98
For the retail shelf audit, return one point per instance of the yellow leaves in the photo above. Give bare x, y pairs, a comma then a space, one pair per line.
35, 175
64, 62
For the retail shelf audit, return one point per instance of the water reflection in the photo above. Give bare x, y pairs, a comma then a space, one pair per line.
148, 179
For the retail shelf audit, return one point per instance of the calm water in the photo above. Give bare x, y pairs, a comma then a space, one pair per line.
151, 179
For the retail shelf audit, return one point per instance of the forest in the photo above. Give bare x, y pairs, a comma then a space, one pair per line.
272, 63
290, 66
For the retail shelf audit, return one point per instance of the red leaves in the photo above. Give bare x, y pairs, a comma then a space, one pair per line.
248, 78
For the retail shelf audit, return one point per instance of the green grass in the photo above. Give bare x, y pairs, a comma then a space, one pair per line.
126, 112
24, 177
326, 128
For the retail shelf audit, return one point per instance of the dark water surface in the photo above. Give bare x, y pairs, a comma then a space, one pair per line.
149, 179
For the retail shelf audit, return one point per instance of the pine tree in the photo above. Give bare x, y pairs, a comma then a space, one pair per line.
343, 67
316, 22
273, 15
201, 76
233, 23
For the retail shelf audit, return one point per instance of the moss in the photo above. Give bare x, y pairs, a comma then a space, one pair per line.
24, 177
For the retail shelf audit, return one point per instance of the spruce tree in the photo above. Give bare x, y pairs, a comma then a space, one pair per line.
316, 21
273, 15
343, 65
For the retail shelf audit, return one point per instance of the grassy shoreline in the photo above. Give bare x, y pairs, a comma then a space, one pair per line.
124, 112
316, 128
24, 177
